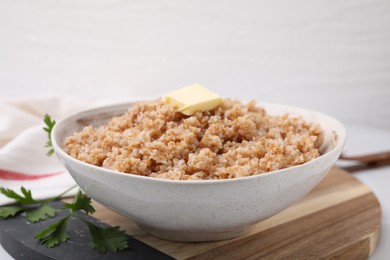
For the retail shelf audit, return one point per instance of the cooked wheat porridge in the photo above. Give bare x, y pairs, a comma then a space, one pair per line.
234, 140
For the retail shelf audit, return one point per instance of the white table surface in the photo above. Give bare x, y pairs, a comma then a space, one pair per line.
330, 56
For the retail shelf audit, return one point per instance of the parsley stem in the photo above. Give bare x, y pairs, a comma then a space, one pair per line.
62, 194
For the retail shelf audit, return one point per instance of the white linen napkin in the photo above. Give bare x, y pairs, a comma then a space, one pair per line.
23, 159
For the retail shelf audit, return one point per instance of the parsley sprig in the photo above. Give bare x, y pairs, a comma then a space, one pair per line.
103, 239
49, 127
36, 210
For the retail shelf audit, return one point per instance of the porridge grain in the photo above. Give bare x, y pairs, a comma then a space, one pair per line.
234, 140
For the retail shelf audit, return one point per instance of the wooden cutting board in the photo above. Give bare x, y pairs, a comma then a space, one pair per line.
339, 219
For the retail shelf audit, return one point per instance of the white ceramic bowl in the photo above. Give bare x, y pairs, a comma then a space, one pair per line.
198, 210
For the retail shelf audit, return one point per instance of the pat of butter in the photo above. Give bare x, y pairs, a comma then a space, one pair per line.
193, 98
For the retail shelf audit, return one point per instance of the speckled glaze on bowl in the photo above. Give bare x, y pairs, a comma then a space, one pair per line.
198, 210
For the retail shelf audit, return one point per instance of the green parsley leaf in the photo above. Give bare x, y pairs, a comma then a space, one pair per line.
81, 202
41, 213
57, 233
110, 238
26, 199
103, 239
49, 127
10, 211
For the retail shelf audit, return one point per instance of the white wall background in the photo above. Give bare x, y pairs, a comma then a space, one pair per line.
328, 55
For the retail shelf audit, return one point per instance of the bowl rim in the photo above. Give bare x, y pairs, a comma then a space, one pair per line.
61, 153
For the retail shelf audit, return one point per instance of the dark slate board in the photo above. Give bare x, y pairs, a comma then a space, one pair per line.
17, 238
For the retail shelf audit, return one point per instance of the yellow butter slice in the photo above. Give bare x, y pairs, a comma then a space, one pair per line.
193, 98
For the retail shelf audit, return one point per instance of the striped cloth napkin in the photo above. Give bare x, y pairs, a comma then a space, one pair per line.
23, 159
